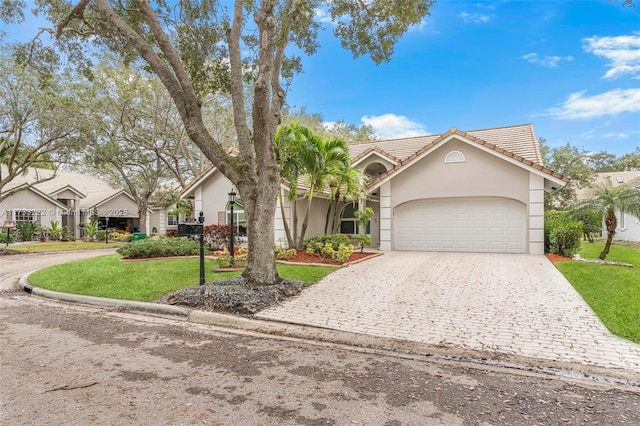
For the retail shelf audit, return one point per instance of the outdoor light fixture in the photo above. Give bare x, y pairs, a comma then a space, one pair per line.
232, 201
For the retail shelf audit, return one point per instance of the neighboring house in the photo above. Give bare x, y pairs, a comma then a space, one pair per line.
628, 226
71, 199
479, 191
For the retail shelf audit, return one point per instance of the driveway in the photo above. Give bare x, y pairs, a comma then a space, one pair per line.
506, 303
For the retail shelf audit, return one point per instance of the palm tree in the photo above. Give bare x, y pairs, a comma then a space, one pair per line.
608, 201
307, 158
349, 184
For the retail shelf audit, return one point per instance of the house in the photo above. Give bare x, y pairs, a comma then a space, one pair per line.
71, 199
476, 191
628, 228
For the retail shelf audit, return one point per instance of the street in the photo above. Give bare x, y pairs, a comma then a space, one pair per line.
65, 364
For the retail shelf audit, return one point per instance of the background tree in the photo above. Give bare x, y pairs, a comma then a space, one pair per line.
201, 48
630, 162
602, 161
42, 118
608, 201
350, 133
569, 161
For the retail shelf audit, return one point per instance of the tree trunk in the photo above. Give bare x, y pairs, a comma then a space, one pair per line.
142, 216
305, 222
610, 222
260, 208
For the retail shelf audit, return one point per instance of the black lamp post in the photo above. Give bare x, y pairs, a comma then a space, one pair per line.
232, 201
106, 231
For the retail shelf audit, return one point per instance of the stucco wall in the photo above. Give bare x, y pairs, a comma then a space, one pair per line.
215, 196
28, 200
120, 206
481, 175
631, 232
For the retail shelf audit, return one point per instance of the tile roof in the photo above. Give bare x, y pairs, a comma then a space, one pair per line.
516, 142
94, 189
519, 140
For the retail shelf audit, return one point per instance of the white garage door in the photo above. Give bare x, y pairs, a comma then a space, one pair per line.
461, 224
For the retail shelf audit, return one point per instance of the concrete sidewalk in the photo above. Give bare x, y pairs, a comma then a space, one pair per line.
496, 303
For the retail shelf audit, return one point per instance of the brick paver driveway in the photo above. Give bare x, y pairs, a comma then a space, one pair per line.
508, 303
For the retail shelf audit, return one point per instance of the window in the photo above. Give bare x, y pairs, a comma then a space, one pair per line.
348, 223
623, 221
24, 216
172, 220
239, 219
455, 157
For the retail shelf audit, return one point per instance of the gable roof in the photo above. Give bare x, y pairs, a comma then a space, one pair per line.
27, 187
519, 138
91, 190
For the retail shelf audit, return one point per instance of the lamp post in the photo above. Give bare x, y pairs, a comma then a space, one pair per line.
106, 231
232, 201
201, 222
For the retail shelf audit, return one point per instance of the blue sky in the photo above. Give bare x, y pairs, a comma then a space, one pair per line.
572, 68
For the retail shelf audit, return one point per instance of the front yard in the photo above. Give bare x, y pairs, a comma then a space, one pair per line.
613, 292
145, 281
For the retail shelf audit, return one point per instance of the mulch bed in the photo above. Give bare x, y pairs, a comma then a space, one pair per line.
304, 257
556, 258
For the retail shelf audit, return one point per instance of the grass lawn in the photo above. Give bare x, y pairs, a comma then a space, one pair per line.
107, 276
62, 246
613, 292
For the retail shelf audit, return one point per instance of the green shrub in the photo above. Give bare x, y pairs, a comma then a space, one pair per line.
160, 248
3, 236
565, 239
284, 254
336, 246
120, 236
27, 229
101, 235
552, 220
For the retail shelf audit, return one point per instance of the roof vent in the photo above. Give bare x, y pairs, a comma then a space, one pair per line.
455, 157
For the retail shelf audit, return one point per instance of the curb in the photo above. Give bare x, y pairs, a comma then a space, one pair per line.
104, 302
439, 353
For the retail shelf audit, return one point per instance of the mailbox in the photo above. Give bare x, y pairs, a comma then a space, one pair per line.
189, 229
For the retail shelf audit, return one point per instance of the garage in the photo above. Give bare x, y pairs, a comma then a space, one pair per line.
486, 225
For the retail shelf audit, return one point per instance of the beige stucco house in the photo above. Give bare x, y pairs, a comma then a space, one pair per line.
71, 199
476, 191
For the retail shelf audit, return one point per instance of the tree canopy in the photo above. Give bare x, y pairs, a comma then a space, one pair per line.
200, 48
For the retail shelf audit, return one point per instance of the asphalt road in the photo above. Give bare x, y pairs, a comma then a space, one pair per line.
68, 364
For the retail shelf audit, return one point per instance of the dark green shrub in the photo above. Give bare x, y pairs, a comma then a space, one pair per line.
3, 236
565, 238
27, 229
160, 248
101, 235
552, 219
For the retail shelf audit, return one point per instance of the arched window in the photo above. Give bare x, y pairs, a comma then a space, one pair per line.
455, 157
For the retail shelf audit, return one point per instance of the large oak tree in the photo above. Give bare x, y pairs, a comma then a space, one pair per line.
201, 47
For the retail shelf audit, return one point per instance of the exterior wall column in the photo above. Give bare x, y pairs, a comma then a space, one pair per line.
280, 236
385, 217
197, 202
536, 214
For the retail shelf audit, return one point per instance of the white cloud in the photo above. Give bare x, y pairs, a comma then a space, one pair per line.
620, 135
547, 61
623, 53
612, 102
323, 16
391, 126
476, 18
